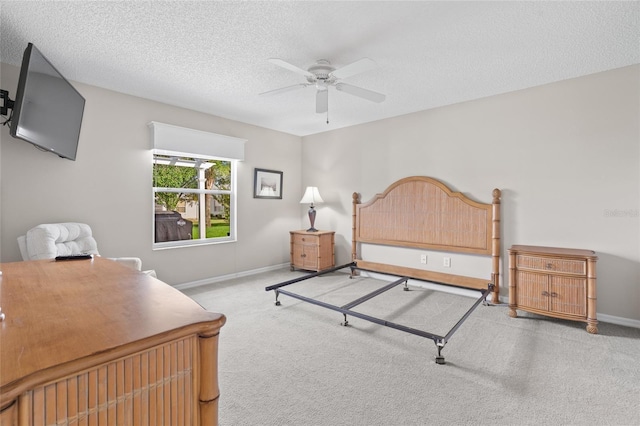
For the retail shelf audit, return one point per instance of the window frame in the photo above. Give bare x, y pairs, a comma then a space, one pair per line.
232, 192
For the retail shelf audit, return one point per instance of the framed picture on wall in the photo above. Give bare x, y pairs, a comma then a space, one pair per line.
267, 184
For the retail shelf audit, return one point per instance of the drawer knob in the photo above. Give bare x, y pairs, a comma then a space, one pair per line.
545, 293
303, 255
549, 265
554, 294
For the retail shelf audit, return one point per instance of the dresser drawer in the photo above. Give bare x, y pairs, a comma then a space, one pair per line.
547, 264
305, 239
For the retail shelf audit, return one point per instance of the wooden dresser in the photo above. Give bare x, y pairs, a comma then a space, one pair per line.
558, 282
94, 342
313, 251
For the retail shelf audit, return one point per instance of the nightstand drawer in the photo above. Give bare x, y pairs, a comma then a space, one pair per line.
546, 264
305, 239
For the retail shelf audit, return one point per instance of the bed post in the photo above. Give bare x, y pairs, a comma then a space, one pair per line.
495, 245
354, 246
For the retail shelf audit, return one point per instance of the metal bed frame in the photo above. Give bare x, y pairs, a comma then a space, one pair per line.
346, 309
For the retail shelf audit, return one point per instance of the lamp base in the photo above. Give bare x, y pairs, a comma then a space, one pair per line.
312, 219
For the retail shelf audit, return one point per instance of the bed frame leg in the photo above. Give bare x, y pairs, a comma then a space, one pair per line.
439, 357
345, 323
490, 287
406, 286
277, 301
353, 273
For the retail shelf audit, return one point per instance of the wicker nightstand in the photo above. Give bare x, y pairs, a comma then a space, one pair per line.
554, 281
312, 251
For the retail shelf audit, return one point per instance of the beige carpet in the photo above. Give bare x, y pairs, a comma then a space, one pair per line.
296, 365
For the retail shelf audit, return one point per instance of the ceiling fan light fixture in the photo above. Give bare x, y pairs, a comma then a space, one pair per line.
322, 101
322, 75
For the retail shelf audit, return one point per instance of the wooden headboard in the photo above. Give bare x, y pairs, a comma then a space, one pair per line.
422, 212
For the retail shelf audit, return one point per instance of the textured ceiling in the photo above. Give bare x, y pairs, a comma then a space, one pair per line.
213, 56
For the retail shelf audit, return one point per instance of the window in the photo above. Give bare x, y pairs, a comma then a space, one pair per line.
192, 198
194, 191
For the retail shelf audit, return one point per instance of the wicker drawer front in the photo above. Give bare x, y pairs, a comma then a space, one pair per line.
567, 266
307, 240
137, 390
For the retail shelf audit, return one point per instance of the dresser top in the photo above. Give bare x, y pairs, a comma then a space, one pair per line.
553, 251
68, 314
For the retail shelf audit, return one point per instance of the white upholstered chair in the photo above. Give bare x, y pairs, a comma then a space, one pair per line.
50, 240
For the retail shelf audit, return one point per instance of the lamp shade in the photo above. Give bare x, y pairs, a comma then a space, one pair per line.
311, 196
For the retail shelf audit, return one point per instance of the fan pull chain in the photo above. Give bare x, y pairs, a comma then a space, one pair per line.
327, 105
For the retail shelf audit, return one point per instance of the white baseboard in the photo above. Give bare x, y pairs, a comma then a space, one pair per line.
227, 277
627, 322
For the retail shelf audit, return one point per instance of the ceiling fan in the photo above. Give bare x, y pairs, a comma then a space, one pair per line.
322, 75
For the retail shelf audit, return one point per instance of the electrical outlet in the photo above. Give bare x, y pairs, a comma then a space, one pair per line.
447, 262
423, 259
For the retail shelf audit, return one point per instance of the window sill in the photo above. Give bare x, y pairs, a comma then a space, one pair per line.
191, 243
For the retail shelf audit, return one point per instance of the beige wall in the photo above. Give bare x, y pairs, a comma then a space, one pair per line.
109, 187
565, 156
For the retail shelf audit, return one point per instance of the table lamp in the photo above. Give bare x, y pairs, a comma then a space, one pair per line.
311, 195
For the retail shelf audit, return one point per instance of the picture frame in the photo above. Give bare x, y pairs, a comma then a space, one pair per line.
267, 184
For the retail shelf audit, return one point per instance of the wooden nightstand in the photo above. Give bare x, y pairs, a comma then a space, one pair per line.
312, 251
553, 281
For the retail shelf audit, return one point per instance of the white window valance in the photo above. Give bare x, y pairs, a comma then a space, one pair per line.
181, 141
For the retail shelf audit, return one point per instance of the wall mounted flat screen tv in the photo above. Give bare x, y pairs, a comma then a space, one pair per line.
48, 110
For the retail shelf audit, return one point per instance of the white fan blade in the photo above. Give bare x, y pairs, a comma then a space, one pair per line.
283, 89
362, 65
322, 101
359, 91
290, 67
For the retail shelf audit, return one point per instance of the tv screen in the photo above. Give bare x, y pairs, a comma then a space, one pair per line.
48, 109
